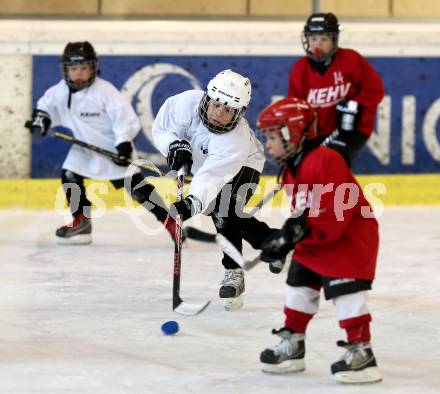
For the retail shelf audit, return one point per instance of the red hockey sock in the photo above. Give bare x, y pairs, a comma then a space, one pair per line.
296, 320
358, 328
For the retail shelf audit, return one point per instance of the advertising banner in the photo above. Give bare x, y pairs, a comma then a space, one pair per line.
406, 139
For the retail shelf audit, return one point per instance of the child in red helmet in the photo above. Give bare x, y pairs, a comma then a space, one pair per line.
335, 238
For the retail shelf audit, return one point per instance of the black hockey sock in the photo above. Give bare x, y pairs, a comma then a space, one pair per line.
147, 196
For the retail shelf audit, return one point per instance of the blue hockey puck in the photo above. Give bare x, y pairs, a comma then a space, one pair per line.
170, 327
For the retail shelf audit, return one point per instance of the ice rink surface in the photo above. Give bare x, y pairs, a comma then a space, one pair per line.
86, 319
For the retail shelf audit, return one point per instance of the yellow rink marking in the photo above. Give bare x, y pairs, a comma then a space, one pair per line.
423, 189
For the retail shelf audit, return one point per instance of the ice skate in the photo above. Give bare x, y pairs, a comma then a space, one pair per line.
287, 356
232, 289
79, 232
357, 365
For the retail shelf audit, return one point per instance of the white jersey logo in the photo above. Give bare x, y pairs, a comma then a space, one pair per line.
326, 97
339, 79
303, 198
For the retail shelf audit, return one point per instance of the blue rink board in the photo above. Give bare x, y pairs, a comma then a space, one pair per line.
169, 75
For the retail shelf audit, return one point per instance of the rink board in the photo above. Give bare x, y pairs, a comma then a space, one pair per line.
405, 141
47, 193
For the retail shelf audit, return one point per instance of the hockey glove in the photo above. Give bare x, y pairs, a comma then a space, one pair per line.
277, 245
347, 115
124, 154
40, 123
179, 154
188, 207
347, 144
346, 140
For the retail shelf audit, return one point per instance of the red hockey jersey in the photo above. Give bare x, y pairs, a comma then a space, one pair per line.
349, 77
344, 238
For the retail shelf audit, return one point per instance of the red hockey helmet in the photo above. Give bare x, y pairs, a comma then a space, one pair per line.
293, 119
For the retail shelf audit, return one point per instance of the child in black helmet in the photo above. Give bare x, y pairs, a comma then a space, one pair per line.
96, 112
340, 85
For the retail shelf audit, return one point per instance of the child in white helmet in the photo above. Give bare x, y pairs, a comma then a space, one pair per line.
206, 132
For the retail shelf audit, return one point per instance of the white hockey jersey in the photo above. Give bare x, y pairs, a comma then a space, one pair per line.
217, 158
98, 115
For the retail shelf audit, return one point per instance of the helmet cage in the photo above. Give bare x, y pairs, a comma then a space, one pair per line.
293, 120
78, 86
218, 129
324, 24
292, 138
79, 53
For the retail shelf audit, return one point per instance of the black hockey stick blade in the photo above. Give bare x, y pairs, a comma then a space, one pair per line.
229, 249
203, 236
198, 235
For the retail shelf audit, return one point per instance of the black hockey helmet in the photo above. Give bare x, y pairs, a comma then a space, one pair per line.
321, 23
79, 52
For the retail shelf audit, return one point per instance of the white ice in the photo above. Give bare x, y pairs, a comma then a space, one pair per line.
87, 319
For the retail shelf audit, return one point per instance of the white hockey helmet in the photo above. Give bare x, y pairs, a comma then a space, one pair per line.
230, 89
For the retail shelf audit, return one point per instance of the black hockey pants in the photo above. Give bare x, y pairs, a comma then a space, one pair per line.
140, 190
228, 216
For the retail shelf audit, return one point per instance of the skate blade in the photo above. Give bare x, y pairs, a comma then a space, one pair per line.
81, 239
233, 304
367, 375
288, 366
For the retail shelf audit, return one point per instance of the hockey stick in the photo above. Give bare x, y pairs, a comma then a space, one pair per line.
203, 236
229, 249
266, 199
198, 235
179, 306
143, 164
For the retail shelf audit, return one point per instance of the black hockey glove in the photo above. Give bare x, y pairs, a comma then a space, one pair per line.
40, 123
277, 245
346, 140
347, 144
179, 154
124, 154
188, 207
347, 114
